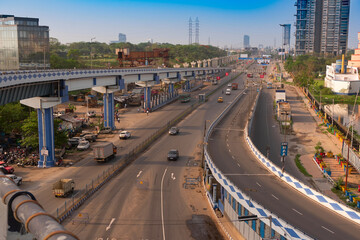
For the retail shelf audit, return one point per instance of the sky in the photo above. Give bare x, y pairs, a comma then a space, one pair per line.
224, 23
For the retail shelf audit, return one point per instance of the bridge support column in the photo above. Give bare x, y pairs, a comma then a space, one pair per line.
44, 108
147, 98
109, 110
108, 98
214, 193
171, 90
187, 86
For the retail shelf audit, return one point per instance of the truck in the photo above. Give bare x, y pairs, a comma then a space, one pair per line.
104, 152
63, 187
280, 95
234, 86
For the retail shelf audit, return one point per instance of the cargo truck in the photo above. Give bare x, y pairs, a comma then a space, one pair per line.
63, 187
104, 152
234, 86
280, 96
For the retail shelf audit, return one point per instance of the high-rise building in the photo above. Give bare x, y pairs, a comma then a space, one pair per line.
322, 26
23, 43
122, 37
246, 41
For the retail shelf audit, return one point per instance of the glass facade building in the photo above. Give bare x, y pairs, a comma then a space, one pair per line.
23, 43
322, 26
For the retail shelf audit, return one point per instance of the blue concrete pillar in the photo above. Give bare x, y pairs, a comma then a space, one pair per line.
171, 90
109, 110
156, 78
187, 86
46, 137
147, 98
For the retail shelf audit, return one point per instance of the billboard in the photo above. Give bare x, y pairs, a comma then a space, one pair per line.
243, 55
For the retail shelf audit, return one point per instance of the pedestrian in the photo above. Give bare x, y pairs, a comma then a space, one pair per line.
147, 112
118, 119
138, 110
125, 105
222, 91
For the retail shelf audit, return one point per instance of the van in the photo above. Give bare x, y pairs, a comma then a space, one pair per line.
228, 91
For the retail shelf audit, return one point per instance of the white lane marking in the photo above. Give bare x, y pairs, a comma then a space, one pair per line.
258, 184
274, 197
227, 144
111, 222
297, 211
229, 150
327, 229
139, 174
172, 176
162, 204
238, 164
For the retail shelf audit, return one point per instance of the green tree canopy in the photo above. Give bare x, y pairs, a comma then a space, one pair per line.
11, 117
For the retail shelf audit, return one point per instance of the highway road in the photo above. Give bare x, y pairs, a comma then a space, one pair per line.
148, 200
87, 169
232, 156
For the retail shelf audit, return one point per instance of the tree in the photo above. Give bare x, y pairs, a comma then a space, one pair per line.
11, 117
31, 135
73, 54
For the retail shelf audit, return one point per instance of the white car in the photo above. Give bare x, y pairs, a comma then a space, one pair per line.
16, 179
229, 84
91, 114
83, 145
228, 91
125, 135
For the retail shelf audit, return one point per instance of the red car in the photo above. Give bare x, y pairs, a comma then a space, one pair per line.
6, 168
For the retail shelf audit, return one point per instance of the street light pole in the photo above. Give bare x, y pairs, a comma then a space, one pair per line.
91, 51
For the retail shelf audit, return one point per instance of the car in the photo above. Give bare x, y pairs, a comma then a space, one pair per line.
173, 154
124, 135
89, 136
106, 130
58, 114
6, 168
220, 100
83, 145
91, 114
74, 141
17, 180
228, 91
174, 131
229, 85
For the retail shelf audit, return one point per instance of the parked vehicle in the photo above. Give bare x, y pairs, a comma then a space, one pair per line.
89, 136
106, 130
74, 141
234, 86
17, 180
228, 91
124, 135
91, 114
174, 130
6, 168
220, 100
185, 97
83, 145
249, 75
269, 85
104, 152
63, 187
173, 154
280, 96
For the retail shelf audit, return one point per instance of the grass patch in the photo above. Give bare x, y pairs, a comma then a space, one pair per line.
301, 166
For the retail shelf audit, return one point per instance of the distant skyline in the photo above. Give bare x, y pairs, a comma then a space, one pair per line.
225, 23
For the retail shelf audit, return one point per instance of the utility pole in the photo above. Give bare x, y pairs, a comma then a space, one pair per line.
91, 51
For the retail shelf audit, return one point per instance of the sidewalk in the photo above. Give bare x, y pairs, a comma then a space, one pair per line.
306, 134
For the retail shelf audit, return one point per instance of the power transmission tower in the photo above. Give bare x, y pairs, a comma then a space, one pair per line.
190, 31
197, 30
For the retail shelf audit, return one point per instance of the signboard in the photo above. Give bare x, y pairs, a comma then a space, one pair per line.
284, 149
44, 152
243, 55
261, 76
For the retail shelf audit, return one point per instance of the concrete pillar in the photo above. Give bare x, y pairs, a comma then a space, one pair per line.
207, 175
157, 79
44, 108
147, 98
171, 90
109, 110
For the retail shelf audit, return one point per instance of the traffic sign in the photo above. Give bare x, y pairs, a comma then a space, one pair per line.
284, 149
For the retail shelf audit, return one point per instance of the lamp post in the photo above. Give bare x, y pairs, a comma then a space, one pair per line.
91, 51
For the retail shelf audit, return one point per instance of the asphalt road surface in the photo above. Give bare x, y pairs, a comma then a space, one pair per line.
148, 200
231, 154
